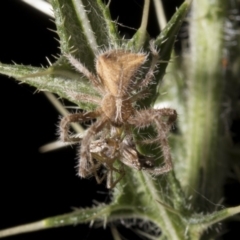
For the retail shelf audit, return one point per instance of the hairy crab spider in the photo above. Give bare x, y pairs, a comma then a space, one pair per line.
117, 83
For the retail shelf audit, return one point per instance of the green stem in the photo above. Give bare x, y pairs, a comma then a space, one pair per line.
29, 227
159, 207
208, 220
204, 152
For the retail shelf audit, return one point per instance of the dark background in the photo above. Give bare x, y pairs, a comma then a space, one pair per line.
35, 186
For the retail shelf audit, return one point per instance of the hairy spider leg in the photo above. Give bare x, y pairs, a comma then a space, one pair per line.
146, 118
132, 158
82, 69
86, 164
120, 171
144, 92
106, 155
71, 118
150, 73
85, 155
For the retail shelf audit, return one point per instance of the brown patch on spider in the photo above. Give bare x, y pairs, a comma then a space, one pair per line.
116, 81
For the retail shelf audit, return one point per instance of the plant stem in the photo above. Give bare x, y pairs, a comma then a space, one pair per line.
204, 152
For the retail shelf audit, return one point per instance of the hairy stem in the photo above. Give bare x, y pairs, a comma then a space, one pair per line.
203, 146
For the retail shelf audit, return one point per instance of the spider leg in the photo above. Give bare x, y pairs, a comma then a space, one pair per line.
113, 153
92, 169
106, 151
82, 69
76, 117
150, 74
86, 163
87, 166
145, 118
97, 152
132, 158
110, 182
109, 174
100, 179
129, 157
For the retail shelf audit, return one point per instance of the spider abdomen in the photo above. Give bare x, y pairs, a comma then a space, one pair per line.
116, 109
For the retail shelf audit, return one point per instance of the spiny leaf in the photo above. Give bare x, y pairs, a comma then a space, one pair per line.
58, 80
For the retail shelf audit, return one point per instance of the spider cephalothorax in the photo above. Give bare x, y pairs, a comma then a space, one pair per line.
116, 81
116, 70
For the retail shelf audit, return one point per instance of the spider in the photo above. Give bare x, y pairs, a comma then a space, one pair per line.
106, 151
116, 81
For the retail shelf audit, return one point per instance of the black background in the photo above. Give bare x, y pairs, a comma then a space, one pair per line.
35, 186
